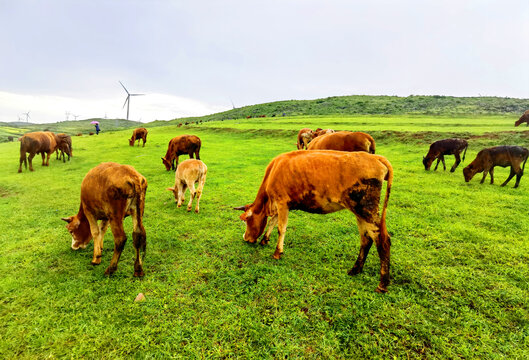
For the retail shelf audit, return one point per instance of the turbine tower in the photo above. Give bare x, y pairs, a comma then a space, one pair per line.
67, 114
75, 116
27, 116
127, 100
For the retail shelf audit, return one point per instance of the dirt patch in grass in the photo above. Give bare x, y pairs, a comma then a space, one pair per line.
4, 192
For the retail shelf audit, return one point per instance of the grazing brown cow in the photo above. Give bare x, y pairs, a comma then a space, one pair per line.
445, 147
90, 133
188, 173
305, 136
523, 119
110, 192
138, 134
320, 132
10, 138
344, 141
65, 146
503, 156
80, 134
323, 182
34, 143
183, 144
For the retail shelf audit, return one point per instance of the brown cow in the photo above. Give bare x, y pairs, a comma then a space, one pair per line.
305, 136
523, 119
445, 147
344, 141
34, 143
138, 134
10, 138
80, 134
323, 182
110, 192
320, 132
503, 156
183, 144
188, 173
65, 146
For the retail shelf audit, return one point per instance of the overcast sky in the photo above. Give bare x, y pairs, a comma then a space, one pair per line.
197, 57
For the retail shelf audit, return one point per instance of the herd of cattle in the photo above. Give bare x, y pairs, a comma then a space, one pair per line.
339, 171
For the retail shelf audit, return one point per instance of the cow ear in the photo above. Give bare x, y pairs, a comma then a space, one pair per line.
243, 217
68, 219
170, 189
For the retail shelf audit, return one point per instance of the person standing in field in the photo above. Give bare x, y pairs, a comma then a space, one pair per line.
97, 129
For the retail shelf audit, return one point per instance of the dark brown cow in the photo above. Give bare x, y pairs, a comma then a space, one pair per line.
445, 147
344, 141
10, 138
323, 182
138, 134
65, 146
183, 144
523, 119
34, 143
80, 134
503, 156
110, 192
90, 133
305, 136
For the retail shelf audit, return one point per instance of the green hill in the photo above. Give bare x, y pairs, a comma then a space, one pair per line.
374, 105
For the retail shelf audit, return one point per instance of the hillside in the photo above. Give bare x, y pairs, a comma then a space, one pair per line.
374, 105
17, 129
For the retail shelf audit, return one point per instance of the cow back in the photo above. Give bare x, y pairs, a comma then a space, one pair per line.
37, 142
344, 141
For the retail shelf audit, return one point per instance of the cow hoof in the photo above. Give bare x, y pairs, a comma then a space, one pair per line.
188, 209
277, 255
138, 273
196, 210
264, 241
354, 271
381, 289
19, 171
109, 271
97, 262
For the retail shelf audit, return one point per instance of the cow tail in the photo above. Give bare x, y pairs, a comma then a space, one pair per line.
384, 236
465, 152
139, 191
523, 166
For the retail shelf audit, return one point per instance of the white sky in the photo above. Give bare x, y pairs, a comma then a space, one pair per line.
195, 57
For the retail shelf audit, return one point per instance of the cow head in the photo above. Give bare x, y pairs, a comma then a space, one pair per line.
80, 231
167, 164
255, 223
522, 119
427, 162
470, 171
131, 141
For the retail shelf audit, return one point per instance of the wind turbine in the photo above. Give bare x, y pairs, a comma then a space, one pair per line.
75, 116
67, 113
27, 116
127, 100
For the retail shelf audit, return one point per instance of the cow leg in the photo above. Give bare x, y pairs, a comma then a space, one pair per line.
197, 154
437, 164
181, 194
282, 221
192, 192
48, 159
30, 160
191, 155
491, 172
271, 225
200, 187
120, 238
103, 226
43, 161
139, 240
22, 160
98, 238
366, 240
456, 164
484, 176
176, 162
443, 160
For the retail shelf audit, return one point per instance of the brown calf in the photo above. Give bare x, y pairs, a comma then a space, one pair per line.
503, 156
34, 143
344, 141
183, 144
523, 119
110, 192
305, 136
138, 134
65, 146
445, 147
323, 182
188, 173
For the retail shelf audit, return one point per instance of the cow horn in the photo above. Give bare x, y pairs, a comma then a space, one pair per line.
240, 208
68, 219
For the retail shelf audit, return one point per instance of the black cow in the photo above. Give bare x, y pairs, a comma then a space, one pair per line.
445, 147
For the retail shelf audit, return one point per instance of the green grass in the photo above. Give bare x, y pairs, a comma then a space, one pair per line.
459, 262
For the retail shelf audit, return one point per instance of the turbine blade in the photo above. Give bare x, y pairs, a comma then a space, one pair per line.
136, 94
124, 87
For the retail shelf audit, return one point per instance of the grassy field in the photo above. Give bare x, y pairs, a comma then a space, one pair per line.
459, 262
